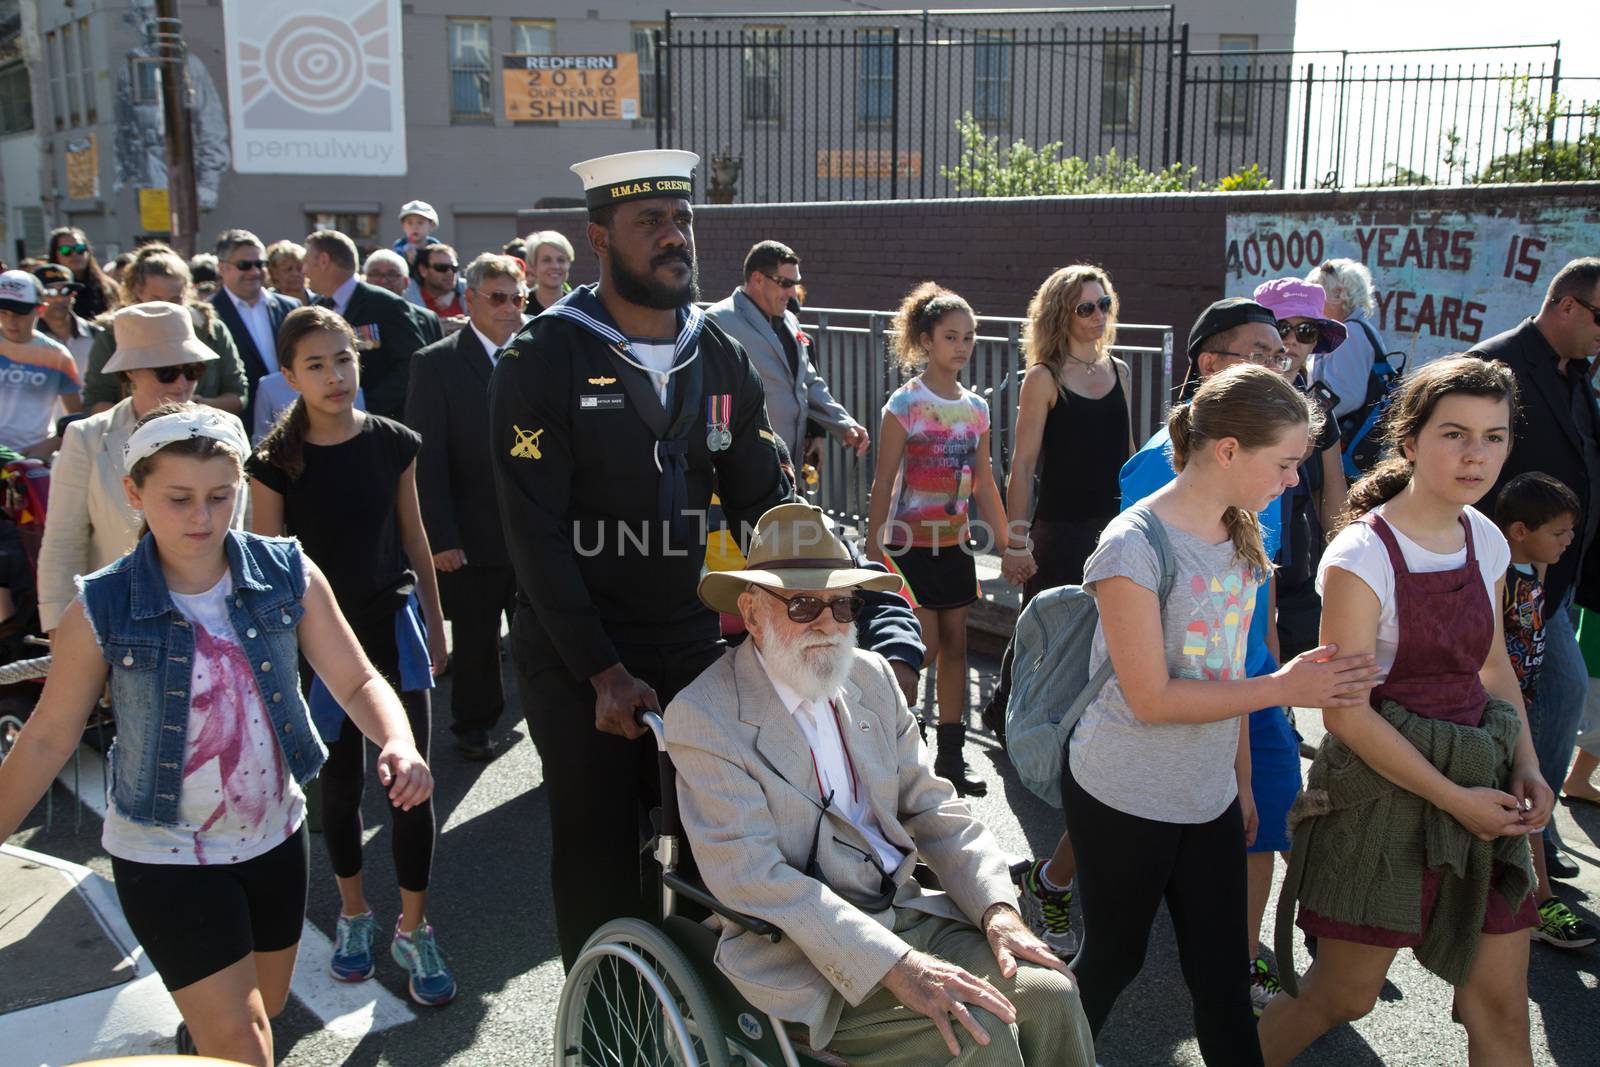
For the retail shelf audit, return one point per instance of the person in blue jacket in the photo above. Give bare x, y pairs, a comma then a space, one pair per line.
1238, 330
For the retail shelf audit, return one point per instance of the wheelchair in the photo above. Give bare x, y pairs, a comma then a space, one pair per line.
645, 995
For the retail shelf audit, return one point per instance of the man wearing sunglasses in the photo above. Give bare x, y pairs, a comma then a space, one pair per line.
38, 371
56, 317
756, 315
808, 799
251, 311
1558, 433
446, 403
437, 284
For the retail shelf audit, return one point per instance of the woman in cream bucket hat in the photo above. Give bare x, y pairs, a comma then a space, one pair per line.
793, 549
91, 522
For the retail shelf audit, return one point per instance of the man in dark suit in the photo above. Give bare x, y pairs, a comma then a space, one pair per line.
387, 333
251, 312
1558, 433
448, 404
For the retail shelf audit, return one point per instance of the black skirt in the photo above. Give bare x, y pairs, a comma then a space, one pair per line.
937, 579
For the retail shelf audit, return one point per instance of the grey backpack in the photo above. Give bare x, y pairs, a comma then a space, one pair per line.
1050, 682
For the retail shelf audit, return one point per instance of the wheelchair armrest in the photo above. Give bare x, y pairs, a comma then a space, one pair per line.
697, 893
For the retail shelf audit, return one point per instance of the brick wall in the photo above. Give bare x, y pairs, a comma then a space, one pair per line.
1165, 253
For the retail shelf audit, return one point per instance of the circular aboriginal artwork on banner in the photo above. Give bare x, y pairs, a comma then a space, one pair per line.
315, 62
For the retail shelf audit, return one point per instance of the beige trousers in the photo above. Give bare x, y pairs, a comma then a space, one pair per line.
1050, 1031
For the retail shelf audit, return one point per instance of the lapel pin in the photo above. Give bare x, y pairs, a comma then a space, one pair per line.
863, 726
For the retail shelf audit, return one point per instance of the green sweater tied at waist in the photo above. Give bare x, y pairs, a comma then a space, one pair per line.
1362, 843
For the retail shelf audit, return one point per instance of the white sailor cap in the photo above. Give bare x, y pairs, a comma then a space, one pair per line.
637, 175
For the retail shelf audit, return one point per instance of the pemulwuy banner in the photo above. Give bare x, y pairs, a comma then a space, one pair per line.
316, 86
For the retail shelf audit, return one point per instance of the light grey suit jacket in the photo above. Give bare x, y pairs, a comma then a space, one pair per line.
790, 399
748, 797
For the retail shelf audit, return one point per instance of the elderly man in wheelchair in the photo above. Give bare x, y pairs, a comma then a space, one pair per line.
808, 798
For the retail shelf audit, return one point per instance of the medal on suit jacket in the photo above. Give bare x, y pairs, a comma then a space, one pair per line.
719, 419
366, 337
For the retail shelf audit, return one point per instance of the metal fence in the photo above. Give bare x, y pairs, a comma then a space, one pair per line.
865, 104
850, 351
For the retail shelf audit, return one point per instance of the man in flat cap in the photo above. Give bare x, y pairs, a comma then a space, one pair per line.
612, 415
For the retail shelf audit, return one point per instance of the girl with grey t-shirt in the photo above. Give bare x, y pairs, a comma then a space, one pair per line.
1152, 779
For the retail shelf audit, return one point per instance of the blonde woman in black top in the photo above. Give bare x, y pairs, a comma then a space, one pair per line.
1074, 431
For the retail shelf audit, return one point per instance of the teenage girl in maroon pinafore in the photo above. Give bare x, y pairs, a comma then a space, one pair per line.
1418, 584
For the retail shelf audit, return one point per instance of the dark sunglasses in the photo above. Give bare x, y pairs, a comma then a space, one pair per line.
517, 299
249, 264
1592, 309
69, 250
444, 268
786, 283
168, 375
807, 608
1089, 307
1307, 333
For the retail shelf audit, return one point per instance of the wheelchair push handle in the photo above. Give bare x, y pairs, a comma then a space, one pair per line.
651, 720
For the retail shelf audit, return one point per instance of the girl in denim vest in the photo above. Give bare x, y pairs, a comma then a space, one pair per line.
200, 628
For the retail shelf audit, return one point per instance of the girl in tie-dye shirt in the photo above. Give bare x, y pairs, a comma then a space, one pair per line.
933, 460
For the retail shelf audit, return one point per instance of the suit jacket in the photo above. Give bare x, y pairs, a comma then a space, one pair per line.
384, 369
747, 793
1547, 440
791, 398
448, 404
254, 365
428, 322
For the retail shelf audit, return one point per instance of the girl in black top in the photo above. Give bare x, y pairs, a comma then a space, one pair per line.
344, 483
1075, 432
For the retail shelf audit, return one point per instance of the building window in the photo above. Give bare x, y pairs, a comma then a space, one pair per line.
874, 77
644, 46
1119, 86
1236, 69
471, 94
533, 36
58, 106
763, 75
991, 76
69, 56
360, 227
16, 99
30, 224
86, 70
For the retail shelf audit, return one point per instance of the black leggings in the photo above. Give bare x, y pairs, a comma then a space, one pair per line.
344, 779
1126, 867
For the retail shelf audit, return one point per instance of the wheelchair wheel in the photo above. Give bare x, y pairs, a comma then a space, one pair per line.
10, 727
633, 999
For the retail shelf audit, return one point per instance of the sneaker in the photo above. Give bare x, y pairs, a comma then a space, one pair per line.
1557, 865
352, 948
431, 983
1048, 912
1560, 928
1263, 984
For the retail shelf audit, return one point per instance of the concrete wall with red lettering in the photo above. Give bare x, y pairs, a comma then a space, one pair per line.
1452, 265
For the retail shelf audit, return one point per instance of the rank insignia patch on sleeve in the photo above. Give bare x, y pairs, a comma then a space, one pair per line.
527, 444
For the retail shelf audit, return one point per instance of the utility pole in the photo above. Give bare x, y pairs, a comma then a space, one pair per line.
172, 53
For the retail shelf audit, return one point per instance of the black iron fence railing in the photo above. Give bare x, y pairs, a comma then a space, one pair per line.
896, 104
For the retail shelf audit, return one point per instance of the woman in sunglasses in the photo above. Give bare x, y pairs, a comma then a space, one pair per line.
1074, 431
98, 294
159, 273
159, 359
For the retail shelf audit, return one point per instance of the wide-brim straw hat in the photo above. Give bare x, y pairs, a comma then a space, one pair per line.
793, 548
155, 334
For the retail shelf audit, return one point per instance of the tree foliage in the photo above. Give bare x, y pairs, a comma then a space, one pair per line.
1022, 170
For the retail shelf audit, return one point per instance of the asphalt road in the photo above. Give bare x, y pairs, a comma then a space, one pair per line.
490, 908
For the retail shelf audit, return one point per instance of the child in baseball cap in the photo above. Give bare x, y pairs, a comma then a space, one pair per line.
418, 220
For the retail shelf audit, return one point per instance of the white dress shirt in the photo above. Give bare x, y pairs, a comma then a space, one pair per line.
341, 296
835, 772
490, 349
259, 322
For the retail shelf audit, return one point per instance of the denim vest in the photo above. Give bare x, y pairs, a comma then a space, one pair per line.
150, 647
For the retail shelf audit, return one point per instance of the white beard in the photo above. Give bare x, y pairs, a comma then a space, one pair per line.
812, 665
